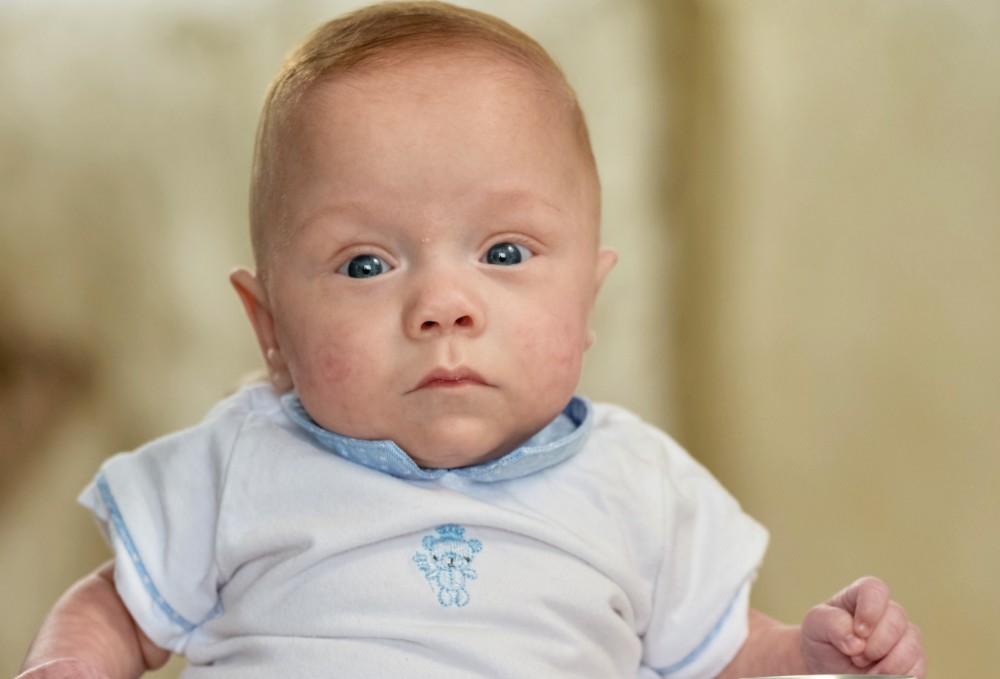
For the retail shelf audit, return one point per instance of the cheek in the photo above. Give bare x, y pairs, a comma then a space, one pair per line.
334, 380
331, 357
337, 365
553, 352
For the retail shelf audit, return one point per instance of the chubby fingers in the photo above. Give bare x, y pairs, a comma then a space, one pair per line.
891, 643
906, 657
885, 636
867, 600
832, 625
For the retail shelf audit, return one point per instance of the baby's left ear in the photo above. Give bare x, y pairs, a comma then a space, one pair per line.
606, 260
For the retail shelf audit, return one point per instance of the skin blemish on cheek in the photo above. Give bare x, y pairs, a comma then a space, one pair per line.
561, 346
337, 368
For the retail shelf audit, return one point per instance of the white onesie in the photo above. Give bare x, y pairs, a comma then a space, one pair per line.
253, 545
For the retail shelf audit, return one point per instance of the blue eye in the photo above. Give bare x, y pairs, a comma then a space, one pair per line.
364, 266
506, 254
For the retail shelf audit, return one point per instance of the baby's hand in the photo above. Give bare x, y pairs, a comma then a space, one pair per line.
861, 630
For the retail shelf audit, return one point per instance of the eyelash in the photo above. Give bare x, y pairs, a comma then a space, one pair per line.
366, 266
370, 265
518, 252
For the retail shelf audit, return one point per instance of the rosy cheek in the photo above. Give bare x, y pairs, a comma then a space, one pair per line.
567, 364
333, 386
555, 355
342, 364
335, 368
320, 363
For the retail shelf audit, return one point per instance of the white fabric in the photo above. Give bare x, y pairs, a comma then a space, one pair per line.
256, 554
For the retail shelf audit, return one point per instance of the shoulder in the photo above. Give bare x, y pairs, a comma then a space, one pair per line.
614, 424
258, 399
253, 410
635, 453
238, 417
622, 432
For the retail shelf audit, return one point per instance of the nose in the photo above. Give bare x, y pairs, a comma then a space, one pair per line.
442, 305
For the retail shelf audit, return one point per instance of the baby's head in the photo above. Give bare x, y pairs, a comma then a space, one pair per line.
386, 36
424, 216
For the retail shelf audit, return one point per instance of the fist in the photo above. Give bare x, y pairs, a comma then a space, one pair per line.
862, 630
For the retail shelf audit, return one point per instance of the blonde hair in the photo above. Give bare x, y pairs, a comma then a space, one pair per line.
380, 35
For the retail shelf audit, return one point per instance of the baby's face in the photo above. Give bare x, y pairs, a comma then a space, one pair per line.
442, 261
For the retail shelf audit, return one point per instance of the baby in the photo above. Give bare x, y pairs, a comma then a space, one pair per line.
417, 491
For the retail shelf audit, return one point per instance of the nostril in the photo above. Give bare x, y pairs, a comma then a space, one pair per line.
465, 321
432, 324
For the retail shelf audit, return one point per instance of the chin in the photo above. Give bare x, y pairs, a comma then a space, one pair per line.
439, 459
457, 447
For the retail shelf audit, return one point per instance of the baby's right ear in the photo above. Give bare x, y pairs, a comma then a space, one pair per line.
254, 297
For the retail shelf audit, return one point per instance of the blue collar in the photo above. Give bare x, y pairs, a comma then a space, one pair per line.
558, 441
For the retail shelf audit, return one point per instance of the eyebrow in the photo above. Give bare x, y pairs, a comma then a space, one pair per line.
330, 209
521, 198
524, 196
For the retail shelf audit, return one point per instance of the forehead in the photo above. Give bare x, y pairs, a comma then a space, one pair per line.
438, 115
446, 115
427, 83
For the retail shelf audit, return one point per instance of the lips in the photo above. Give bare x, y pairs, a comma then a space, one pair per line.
450, 379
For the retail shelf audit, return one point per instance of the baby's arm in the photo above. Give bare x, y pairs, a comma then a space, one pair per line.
859, 630
89, 634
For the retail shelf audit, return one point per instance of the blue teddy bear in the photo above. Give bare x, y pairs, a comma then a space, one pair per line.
447, 565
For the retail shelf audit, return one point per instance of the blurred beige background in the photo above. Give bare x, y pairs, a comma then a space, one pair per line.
804, 196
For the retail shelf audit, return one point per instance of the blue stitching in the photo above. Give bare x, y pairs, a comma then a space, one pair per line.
447, 565
700, 648
140, 567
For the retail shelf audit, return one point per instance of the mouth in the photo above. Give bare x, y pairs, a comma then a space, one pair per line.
451, 379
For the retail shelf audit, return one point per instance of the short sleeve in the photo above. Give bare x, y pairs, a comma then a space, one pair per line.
701, 594
158, 508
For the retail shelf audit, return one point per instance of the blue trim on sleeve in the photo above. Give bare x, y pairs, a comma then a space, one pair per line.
706, 642
140, 567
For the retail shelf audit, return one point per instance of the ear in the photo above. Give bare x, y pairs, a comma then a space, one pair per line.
254, 297
606, 260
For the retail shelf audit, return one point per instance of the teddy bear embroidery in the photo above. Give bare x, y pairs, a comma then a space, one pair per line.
447, 563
